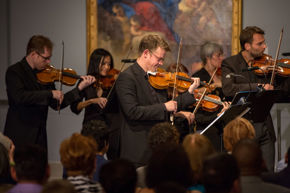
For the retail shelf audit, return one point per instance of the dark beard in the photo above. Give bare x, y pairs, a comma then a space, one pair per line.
257, 55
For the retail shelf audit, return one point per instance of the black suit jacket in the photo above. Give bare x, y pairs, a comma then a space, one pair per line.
246, 82
142, 106
28, 105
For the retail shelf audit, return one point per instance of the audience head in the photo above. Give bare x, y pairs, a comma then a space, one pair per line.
235, 130
169, 162
58, 186
247, 34
249, 157
78, 154
211, 51
221, 174
162, 133
197, 147
118, 176
31, 164
98, 59
151, 43
98, 130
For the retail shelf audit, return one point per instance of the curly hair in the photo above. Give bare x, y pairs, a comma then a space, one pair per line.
162, 133
78, 154
99, 130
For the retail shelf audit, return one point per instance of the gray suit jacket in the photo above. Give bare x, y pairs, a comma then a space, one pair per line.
254, 184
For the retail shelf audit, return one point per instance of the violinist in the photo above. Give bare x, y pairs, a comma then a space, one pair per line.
253, 46
94, 98
211, 55
100, 63
141, 105
29, 100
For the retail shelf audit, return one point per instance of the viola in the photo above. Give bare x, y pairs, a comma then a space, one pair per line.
266, 65
209, 102
50, 74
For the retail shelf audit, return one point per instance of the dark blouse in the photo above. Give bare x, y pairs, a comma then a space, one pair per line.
94, 111
204, 118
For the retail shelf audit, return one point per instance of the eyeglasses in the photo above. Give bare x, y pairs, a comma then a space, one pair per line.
159, 59
43, 57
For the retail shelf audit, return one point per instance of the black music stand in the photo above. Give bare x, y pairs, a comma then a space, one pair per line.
230, 114
255, 105
261, 104
243, 96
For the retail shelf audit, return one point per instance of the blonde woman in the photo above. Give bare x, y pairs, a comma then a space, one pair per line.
235, 130
197, 147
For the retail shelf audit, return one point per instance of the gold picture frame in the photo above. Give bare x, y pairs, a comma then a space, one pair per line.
92, 23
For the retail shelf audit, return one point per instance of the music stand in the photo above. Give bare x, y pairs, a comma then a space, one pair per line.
243, 96
261, 104
231, 113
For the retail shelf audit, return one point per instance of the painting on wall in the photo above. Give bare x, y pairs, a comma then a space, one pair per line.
119, 25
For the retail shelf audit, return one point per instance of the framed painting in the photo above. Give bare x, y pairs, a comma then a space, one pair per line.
119, 25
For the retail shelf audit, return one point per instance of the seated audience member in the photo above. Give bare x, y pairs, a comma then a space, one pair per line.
220, 174
6, 182
160, 133
118, 176
250, 161
169, 162
58, 186
31, 169
282, 177
235, 130
100, 132
78, 157
197, 147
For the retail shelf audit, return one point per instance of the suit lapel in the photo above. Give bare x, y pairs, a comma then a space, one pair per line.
150, 94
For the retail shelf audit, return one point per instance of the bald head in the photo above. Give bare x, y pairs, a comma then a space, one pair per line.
249, 157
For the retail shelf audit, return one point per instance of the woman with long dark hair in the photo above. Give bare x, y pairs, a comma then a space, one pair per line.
101, 62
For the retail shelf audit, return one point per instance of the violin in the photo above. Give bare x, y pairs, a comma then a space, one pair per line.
50, 74
266, 65
108, 81
163, 80
209, 102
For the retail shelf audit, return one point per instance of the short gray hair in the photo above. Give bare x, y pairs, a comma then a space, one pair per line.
208, 49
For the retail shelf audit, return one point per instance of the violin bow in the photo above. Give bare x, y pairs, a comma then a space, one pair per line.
276, 57
60, 75
175, 78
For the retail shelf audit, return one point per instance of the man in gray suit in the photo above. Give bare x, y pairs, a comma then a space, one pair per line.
250, 161
142, 105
